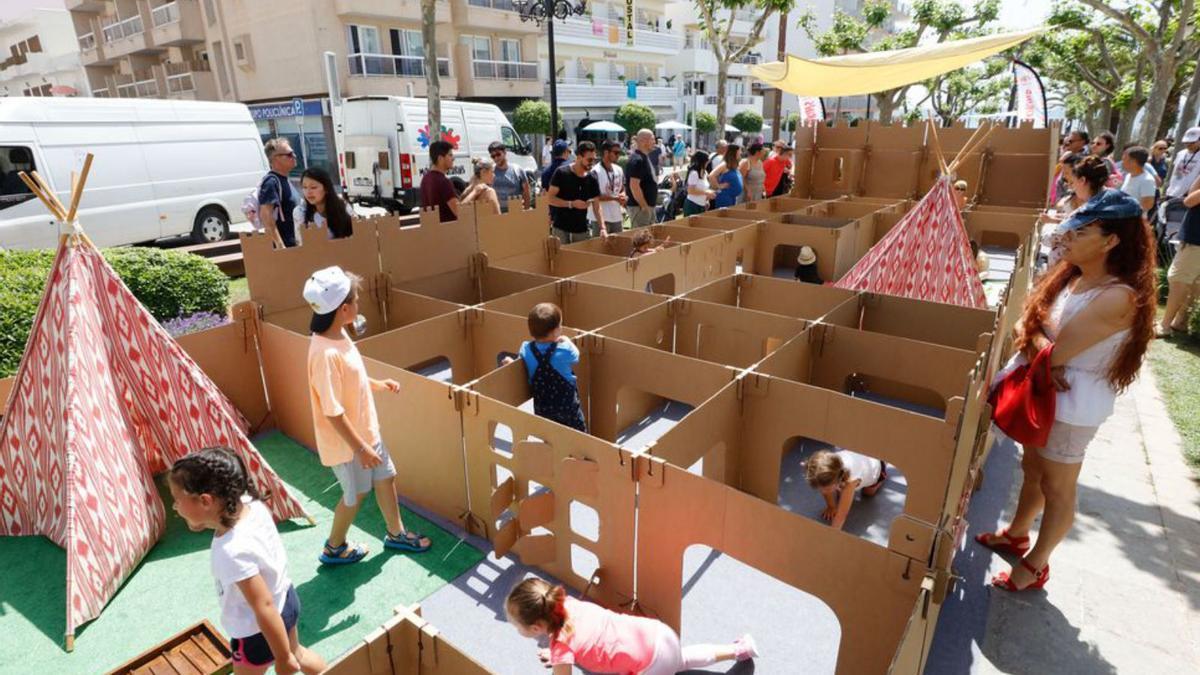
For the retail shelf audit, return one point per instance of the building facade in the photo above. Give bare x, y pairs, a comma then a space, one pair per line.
41, 55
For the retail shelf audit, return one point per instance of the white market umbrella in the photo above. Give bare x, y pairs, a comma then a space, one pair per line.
604, 126
731, 128
672, 126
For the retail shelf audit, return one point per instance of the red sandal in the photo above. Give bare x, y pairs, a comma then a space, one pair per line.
1003, 580
1015, 545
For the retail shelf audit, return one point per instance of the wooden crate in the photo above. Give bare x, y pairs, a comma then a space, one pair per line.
196, 650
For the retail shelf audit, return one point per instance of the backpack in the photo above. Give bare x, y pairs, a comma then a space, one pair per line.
674, 206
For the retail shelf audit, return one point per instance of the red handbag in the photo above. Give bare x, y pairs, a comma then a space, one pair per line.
1023, 402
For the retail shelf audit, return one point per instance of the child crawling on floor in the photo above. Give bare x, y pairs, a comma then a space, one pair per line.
838, 475
548, 358
587, 635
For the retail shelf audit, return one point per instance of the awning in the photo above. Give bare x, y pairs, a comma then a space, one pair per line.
872, 72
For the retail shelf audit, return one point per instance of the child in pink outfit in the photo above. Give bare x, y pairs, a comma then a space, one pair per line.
585, 634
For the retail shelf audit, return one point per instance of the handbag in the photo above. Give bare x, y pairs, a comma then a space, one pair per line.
1023, 402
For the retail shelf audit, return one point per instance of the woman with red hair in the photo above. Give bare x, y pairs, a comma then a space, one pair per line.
1096, 306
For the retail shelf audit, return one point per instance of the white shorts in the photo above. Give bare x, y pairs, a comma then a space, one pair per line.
1067, 443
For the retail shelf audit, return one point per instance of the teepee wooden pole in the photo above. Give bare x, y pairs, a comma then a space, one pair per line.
37, 191
964, 153
970, 141
60, 211
937, 147
77, 187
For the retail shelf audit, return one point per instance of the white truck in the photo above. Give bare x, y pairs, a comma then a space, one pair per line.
383, 145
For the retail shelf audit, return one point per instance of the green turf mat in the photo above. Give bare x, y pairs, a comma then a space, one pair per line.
173, 587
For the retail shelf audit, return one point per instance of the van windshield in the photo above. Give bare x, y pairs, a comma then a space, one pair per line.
512, 141
13, 160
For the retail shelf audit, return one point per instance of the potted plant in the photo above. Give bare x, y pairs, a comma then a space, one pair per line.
591, 78
620, 78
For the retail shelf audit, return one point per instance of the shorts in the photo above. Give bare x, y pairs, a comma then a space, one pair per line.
639, 217
1067, 443
611, 226
571, 237
254, 650
1185, 267
691, 208
355, 480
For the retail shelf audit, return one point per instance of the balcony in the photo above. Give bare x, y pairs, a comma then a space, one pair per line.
391, 65
388, 10
176, 24
101, 93
126, 37
490, 15
610, 93
595, 33
190, 80
391, 75
734, 104
89, 6
487, 78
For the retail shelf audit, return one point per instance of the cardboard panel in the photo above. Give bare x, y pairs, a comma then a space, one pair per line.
405, 308
838, 171
778, 243
445, 336
298, 318
721, 291
654, 327
285, 367
276, 277
789, 298
426, 250
933, 322
458, 286
228, 355
727, 335
991, 228
585, 306
514, 233
713, 432
498, 283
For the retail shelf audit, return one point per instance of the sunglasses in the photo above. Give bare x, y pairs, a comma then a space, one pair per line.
285, 154
961, 189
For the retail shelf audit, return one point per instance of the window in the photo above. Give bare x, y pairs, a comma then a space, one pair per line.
364, 40
243, 54
13, 159
481, 48
210, 12
239, 51
511, 141
510, 50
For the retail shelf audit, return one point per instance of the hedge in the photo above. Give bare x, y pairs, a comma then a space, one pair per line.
169, 283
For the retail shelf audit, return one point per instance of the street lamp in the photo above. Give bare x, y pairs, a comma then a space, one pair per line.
547, 10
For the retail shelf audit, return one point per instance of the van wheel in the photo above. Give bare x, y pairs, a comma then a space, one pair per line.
212, 225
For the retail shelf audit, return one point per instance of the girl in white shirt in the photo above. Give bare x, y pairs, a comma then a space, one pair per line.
259, 606
838, 475
698, 192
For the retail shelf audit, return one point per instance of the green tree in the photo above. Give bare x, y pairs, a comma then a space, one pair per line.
716, 23
792, 121
635, 117
748, 122
932, 21
982, 89
533, 117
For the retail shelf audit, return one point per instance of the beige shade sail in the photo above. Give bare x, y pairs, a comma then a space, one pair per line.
868, 73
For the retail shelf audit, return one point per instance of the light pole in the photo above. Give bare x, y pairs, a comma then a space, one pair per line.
547, 10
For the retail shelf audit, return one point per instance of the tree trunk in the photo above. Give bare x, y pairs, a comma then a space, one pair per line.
886, 106
1187, 116
434, 96
1156, 102
1103, 118
722, 76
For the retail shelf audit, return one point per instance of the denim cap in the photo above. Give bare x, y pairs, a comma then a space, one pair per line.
559, 148
1109, 204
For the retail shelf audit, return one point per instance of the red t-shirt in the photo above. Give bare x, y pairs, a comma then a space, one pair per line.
774, 168
437, 189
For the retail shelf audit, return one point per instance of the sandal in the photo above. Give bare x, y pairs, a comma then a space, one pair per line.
1015, 545
1004, 579
342, 555
407, 541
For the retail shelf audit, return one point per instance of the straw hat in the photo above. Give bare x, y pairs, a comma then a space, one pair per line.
807, 256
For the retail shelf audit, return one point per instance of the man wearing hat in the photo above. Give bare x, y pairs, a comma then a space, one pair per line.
1187, 165
345, 421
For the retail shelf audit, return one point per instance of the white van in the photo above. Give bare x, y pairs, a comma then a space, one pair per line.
383, 145
161, 167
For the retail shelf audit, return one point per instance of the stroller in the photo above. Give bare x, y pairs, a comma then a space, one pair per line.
1166, 219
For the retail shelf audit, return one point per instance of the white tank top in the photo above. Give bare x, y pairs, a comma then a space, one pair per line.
865, 469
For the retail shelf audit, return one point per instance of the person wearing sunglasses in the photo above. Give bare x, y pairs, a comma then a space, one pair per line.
276, 197
510, 181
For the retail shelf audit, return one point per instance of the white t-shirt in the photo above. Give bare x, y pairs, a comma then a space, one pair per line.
694, 180
318, 219
866, 470
1184, 174
1141, 185
612, 182
252, 547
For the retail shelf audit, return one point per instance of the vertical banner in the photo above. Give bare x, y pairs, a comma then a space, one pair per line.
812, 109
629, 23
1031, 96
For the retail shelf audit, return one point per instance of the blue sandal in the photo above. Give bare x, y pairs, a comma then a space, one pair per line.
342, 555
407, 541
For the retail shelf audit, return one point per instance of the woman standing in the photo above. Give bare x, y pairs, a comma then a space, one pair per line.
1085, 179
1102, 147
322, 207
753, 173
698, 193
480, 188
728, 180
1096, 307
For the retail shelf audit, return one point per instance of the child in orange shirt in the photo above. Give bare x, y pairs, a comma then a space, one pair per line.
346, 425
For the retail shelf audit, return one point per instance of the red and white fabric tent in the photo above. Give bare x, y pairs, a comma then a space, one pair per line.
104, 399
926, 256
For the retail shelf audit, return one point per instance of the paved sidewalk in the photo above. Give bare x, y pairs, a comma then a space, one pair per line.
1124, 590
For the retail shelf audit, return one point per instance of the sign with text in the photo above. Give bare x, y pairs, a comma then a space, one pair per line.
629, 23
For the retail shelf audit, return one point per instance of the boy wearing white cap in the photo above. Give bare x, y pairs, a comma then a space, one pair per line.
346, 425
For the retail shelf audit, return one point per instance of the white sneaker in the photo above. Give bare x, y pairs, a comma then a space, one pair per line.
744, 648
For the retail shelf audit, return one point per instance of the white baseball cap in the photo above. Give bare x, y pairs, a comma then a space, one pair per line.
327, 289
1191, 135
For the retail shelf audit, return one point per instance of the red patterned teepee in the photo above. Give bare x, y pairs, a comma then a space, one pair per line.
926, 256
104, 399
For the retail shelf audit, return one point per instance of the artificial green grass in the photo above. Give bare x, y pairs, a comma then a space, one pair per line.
1176, 364
173, 587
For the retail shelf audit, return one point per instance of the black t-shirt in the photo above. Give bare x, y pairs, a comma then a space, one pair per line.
1189, 230
639, 169
570, 188
275, 189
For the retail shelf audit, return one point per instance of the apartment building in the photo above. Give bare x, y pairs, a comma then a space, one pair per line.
597, 58
40, 55
697, 67
268, 54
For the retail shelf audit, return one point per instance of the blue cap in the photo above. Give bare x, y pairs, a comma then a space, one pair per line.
559, 148
1108, 204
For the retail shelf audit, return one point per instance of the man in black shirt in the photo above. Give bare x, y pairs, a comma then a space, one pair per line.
641, 186
573, 190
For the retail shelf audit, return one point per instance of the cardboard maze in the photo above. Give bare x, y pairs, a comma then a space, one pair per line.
691, 354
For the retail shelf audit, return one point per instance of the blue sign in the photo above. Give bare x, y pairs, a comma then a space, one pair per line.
292, 108
630, 89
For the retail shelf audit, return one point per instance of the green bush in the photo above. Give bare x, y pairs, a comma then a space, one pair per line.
635, 117
533, 117
169, 283
748, 122
1193, 321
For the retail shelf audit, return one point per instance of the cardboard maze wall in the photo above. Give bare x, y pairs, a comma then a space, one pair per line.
696, 343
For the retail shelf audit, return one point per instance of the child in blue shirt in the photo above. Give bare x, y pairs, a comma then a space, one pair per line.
548, 359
